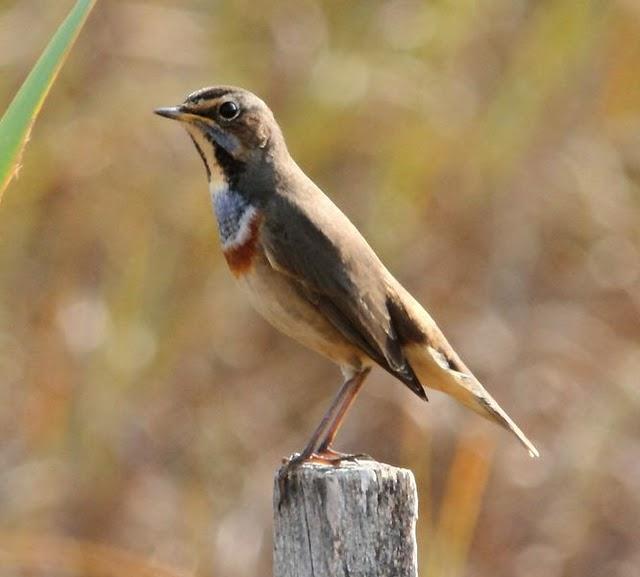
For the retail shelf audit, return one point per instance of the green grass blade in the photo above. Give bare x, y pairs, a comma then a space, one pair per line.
19, 117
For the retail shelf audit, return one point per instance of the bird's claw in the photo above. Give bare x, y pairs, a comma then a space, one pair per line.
322, 457
327, 457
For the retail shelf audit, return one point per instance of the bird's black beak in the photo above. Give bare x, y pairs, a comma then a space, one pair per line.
173, 112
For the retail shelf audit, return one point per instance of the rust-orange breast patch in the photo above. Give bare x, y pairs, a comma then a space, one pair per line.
240, 256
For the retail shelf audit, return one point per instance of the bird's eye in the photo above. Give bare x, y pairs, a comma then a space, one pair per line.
229, 110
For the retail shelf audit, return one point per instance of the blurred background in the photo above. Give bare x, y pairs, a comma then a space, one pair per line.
490, 152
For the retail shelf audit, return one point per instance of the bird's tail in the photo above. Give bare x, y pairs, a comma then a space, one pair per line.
435, 370
438, 366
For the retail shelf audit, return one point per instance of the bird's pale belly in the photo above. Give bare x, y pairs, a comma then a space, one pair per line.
274, 296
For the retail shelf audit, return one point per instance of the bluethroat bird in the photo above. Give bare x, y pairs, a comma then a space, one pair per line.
307, 269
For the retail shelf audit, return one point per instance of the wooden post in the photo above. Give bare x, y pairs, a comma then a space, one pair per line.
355, 520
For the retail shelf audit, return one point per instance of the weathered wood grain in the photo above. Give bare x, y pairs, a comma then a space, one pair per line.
355, 520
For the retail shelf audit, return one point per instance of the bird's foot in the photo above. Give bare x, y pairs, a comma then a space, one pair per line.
324, 456
329, 455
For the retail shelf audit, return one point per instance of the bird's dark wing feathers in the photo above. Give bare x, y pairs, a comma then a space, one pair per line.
344, 284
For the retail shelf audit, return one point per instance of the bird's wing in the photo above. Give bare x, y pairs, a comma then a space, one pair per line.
334, 268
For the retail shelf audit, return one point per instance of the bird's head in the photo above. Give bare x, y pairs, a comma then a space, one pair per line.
233, 130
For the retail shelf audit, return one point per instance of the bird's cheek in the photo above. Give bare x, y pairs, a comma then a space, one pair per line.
225, 139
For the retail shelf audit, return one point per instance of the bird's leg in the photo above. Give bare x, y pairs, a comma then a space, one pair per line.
324, 449
317, 448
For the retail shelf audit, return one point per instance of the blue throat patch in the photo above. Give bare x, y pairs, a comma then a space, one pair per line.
229, 207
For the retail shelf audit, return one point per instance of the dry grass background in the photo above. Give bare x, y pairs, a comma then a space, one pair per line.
490, 151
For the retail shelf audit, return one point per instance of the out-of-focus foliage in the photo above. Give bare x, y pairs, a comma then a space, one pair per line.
490, 151
21, 114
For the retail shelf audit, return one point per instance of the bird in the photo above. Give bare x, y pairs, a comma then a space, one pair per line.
309, 272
